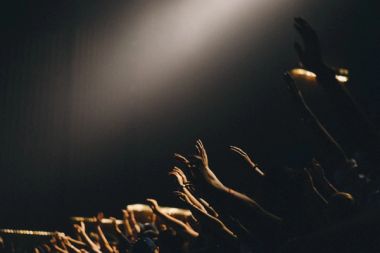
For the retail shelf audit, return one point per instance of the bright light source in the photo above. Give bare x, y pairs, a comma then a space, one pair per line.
341, 76
341, 79
303, 72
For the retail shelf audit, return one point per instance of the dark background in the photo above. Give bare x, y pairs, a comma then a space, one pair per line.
69, 145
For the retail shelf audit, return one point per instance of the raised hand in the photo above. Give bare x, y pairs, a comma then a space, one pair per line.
310, 55
182, 159
208, 221
80, 228
115, 225
179, 175
202, 153
125, 213
126, 223
99, 217
66, 241
103, 240
134, 224
246, 157
206, 173
182, 181
153, 204
177, 224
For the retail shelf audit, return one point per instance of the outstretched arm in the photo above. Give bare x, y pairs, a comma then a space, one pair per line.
210, 210
246, 157
310, 57
313, 121
103, 239
70, 246
178, 225
231, 198
318, 175
132, 220
206, 220
182, 181
127, 226
81, 229
124, 242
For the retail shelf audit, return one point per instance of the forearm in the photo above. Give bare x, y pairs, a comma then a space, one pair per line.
135, 226
127, 227
176, 224
90, 243
193, 199
327, 139
58, 249
76, 241
234, 198
72, 248
103, 239
208, 208
211, 223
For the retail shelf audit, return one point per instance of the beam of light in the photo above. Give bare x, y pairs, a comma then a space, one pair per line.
155, 51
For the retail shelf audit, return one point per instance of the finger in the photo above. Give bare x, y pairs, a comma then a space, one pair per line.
199, 142
197, 157
198, 149
238, 150
180, 172
181, 158
183, 175
181, 196
233, 148
176, 169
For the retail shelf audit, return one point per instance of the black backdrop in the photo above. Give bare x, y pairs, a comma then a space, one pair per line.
55, 161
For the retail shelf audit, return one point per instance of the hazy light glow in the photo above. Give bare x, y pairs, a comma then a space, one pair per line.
171, 37
140, 62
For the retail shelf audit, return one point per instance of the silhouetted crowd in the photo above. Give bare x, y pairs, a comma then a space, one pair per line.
331, 204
